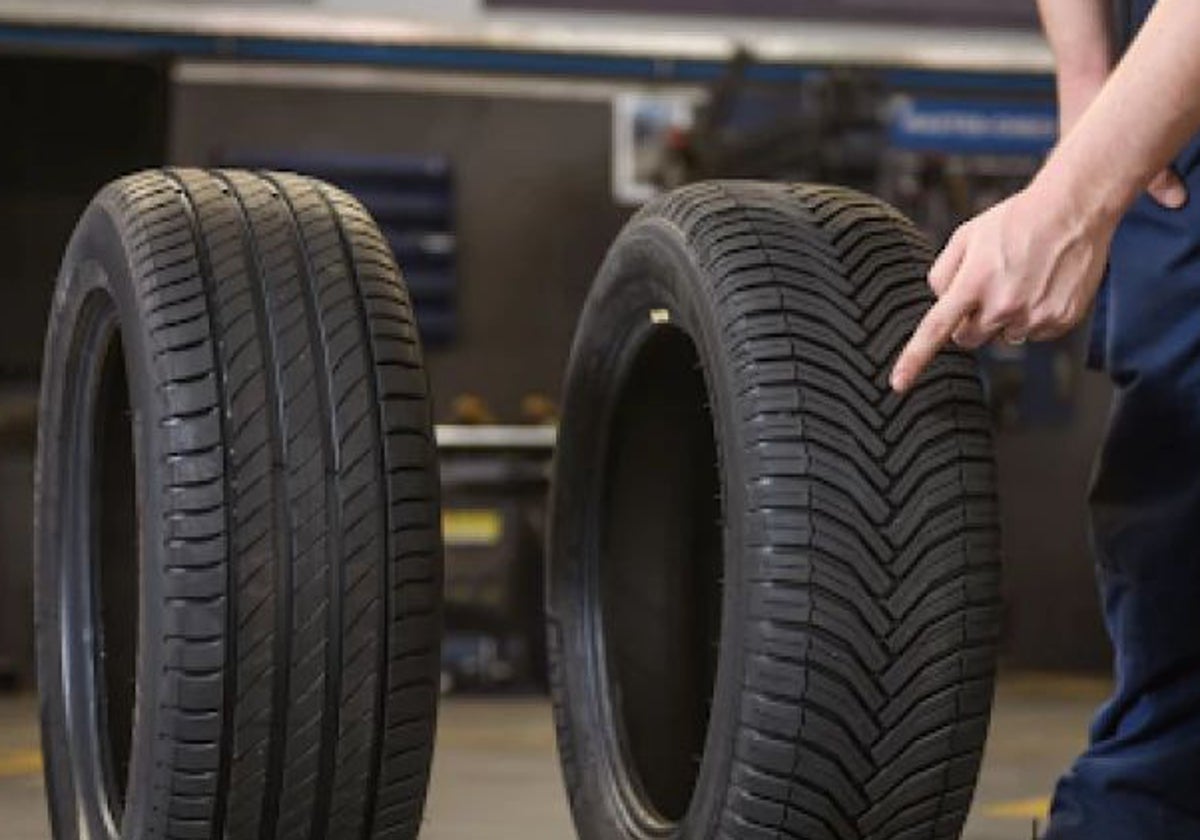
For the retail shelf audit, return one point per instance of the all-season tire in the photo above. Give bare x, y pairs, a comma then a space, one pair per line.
238, 552
773, 582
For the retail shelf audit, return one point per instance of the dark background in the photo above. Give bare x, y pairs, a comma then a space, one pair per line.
69, 125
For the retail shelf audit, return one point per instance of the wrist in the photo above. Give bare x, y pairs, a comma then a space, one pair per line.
1091, 196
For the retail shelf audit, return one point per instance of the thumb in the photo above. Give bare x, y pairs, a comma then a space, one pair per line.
1168, 190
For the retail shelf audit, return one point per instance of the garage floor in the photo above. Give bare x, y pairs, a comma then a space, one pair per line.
496, 775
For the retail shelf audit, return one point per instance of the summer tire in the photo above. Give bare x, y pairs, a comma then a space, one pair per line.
238, 555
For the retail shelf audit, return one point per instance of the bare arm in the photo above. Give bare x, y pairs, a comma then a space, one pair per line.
1142, 117
1030, 266
1081, 40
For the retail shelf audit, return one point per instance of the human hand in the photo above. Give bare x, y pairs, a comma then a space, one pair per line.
1027, 268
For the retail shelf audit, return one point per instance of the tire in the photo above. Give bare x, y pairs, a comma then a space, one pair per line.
238, 550
773, 591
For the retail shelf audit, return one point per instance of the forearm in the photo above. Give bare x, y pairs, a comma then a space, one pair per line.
1080, 36
1143, 116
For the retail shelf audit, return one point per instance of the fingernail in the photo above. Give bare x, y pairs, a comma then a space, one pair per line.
1175, 196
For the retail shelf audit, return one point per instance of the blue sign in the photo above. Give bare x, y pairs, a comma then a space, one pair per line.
972, 127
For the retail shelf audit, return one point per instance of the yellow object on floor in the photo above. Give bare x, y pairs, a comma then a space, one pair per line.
20, 763
1034, 808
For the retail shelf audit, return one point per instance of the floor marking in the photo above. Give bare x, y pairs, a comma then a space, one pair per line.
1036, 807
20, 763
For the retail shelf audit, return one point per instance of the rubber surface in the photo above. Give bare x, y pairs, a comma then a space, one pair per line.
290, 557
851, 667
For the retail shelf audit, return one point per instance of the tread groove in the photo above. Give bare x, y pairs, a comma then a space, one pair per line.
229, 678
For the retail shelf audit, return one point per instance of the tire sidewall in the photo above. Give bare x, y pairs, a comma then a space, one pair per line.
96, 263
649, 268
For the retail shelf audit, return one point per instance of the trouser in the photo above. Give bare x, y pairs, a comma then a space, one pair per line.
1140, 776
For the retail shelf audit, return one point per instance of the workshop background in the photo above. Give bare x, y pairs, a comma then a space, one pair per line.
501, 145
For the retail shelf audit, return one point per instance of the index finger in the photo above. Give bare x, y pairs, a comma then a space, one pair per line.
931, 334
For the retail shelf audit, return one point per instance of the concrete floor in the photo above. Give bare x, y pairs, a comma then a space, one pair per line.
496, 774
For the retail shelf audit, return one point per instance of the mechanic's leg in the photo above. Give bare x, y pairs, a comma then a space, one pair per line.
1140, 777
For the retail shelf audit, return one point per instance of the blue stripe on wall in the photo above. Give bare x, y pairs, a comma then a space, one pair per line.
471, 59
